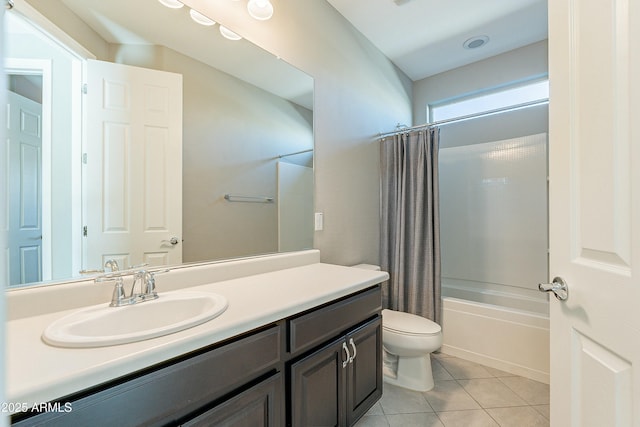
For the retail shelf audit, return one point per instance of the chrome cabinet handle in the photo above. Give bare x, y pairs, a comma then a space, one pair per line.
558, 287
355, 352
346, 350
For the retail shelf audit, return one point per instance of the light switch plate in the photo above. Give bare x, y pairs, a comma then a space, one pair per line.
319, 221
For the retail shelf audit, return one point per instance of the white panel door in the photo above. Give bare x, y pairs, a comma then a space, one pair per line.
133, 170
24, 141
594, 155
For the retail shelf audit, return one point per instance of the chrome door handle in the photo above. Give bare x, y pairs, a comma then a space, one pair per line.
174, 241
558, 287
346, 350
353, 346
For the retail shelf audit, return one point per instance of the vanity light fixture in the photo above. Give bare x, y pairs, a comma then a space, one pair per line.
173, 4
228, 34
260, 9
201, 19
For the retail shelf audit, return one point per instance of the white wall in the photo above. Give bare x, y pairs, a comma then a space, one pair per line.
358, 93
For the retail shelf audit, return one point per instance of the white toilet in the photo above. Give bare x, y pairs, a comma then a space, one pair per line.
408, 341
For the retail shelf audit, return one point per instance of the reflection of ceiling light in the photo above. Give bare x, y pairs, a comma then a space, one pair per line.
173, 4
228, 34
260, 9
200, 18
475, 42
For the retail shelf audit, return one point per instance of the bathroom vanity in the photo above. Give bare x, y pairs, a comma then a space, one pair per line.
298, 346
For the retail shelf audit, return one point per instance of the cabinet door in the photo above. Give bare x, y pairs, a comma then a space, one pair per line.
364, 374
317, 387
259, 406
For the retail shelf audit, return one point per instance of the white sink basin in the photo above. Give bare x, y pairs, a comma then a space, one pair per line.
101, 325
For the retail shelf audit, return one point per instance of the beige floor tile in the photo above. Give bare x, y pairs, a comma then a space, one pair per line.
398, 400
372, 421
450, 396
375, 410
533, 392
523, 416
439, 373
543, 409
463, 369
491, 393
475, 418
414, 420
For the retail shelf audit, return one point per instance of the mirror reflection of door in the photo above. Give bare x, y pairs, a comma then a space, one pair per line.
133, 166
24, 141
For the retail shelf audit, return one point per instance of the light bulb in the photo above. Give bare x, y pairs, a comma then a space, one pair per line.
260, 9
201, 19
173, 4
228, 34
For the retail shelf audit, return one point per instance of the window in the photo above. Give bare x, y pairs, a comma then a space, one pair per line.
515, 96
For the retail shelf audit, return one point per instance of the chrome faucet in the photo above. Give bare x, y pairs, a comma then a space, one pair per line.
147, 281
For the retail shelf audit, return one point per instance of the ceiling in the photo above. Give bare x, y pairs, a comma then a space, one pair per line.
425, 37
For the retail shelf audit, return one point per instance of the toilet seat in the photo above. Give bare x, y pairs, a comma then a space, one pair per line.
408, 324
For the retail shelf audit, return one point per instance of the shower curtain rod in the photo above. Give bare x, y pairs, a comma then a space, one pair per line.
467, 117
293, 154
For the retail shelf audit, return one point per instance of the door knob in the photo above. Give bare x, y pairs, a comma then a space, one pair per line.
558, 287
174, 241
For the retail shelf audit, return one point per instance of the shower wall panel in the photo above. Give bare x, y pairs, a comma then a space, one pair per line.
493, 206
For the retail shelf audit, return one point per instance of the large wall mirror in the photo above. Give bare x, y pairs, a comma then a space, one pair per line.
241, 183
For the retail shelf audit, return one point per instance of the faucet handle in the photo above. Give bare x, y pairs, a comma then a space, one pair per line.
150, 281
112, 264
119, 295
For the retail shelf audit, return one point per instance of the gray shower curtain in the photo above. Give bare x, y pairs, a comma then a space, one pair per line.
410, 229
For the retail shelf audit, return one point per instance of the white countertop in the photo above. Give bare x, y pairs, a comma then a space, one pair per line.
37, 372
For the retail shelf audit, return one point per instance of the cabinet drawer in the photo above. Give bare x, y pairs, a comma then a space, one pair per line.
259, 406
317, 326
172, 392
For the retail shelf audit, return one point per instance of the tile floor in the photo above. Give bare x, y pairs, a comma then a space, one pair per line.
466, 394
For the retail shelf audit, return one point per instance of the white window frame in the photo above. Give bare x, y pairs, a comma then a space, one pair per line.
515, 96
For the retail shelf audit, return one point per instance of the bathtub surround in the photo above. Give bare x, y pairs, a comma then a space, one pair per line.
514, 341
410, 222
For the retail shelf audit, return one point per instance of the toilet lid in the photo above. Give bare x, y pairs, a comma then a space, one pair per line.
406, 323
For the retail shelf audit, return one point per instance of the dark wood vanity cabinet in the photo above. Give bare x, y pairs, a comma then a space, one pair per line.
180, 390
322, 367
336, 384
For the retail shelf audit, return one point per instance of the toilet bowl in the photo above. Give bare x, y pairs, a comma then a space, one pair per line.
408, 341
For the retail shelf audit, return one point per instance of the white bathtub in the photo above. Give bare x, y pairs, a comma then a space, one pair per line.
505, 338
